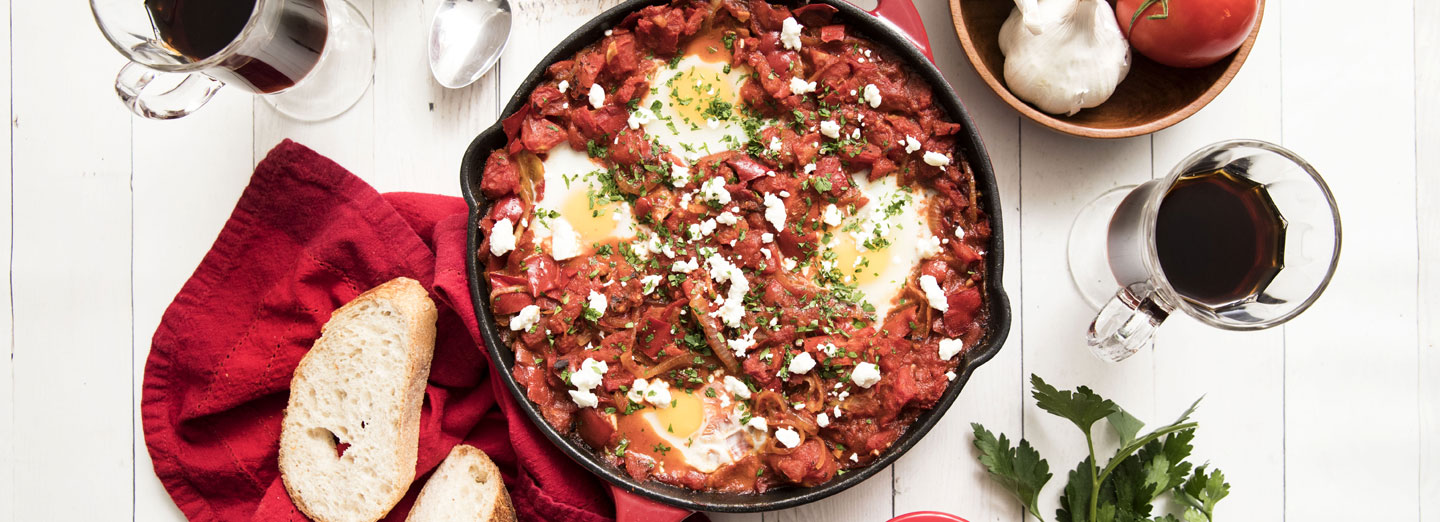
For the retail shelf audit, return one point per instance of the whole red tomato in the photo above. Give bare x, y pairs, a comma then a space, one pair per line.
1186, 33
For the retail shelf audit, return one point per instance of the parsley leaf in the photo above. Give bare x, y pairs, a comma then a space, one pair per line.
1203, 491
1020, 470
1125, 425
1083, 407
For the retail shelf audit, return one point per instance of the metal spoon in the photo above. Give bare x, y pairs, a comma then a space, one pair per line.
466, 39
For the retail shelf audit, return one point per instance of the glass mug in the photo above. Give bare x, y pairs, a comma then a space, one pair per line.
1241, 235
310, 59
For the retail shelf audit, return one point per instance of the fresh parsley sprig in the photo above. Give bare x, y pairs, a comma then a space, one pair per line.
1144, 468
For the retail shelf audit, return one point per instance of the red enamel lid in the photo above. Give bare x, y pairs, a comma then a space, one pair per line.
927, 516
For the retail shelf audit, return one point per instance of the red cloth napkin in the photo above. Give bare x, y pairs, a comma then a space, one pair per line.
306, 237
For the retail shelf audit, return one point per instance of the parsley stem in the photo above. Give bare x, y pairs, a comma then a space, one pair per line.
1135, 445
1094, 478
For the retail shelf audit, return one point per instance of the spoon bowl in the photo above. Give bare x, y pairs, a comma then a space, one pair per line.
466, 39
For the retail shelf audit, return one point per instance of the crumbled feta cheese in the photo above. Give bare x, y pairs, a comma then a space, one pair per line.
936, 159
822, 420
790, 34
830, 129
788, 264
736, 387
928, 246
854, 457
732, 310
685, 266
714, 190
911, 144
590, 374
658, 394
959, 232
597, 95
637, 391
837, 410
685, 199
649, 284
727, 218
865, 375
584, 399
832, 215
564, 241
802, 363
679, 175
950, 376
668, 251
872, 95
502, 237
950, 347
830, 350
767, 238
564, 86
641, 116
595, 305
798, 406
855, 134
810, 167
800, 87
787, 437
775, 144
775, 212
758, 424
933, 293
702, 229
526, 319
609, 32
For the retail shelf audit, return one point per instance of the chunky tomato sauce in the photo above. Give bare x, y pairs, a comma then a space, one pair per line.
793, 378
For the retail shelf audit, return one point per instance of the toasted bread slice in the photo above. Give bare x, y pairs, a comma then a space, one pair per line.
465, 488
352, 427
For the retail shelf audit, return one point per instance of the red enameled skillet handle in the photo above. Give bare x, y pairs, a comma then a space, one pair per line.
902, 15
630, 507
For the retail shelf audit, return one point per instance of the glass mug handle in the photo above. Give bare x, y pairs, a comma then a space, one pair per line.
1125, 324
162, 95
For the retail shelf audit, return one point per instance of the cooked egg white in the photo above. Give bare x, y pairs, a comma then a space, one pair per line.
693, 108
878, 247
572, 182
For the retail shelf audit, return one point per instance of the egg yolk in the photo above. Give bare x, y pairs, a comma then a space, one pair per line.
684, 417
701, 93
871, 263
594, 223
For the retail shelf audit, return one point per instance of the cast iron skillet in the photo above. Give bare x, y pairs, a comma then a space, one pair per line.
998, 305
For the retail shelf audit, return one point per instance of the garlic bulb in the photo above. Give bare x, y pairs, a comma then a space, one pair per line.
1063, 55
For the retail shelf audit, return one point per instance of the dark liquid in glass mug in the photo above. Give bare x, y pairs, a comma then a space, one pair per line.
200, 28
1220, 237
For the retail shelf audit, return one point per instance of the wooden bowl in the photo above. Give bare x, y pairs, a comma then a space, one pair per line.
1151, 98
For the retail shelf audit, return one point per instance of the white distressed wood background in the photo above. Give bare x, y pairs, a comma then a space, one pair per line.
1335, 416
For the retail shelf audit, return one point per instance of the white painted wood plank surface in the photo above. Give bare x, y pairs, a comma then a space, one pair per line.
1267, 419
1350, 366
70, 268
7, 323
1427, 205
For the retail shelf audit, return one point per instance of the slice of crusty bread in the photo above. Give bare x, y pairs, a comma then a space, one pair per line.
361, 385
465, 488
